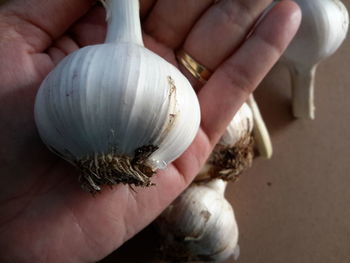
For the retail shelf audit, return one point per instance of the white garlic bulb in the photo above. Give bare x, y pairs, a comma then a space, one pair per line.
199, 225
323, 28
117, 110
234, 152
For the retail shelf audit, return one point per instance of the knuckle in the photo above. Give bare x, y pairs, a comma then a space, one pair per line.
239, 78
237, 13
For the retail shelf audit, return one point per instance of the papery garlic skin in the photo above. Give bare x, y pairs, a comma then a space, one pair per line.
79, 113
235, 150
117, 110
199, 225
322, 30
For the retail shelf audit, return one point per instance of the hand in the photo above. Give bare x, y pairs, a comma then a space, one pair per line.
45, 216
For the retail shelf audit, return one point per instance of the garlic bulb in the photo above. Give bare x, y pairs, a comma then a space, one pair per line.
199, 225
234, 152
116, 110
323, 28
241, 126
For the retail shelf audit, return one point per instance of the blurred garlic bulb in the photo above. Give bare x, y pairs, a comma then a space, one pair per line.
116, 110
323, 28
234, 152
199, 225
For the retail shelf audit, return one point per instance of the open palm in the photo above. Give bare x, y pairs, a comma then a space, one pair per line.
45, 216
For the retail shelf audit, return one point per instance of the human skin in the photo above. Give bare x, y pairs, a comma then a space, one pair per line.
45, 216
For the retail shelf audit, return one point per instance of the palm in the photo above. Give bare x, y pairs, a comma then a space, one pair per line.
44, 213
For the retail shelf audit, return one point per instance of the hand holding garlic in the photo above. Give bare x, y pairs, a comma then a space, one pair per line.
44, 215
116, 110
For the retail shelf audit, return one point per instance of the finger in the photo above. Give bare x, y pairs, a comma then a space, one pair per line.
145, 7
43, 21
170, 21
91, 28
240, 74
61, 48
210, 43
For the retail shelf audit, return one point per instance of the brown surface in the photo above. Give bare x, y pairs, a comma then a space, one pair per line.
296, 206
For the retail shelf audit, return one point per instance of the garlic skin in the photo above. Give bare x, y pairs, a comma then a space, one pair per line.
234, 152
117, 110
323, 28
199, 225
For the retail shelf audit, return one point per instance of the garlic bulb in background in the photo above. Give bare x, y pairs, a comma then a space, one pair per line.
323, 28
199, 225
234, 152
116, 110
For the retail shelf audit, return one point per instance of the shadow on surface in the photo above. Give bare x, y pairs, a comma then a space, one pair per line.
141, 248
274, 99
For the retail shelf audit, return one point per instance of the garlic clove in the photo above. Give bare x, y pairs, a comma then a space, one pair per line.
199, 225
323, 28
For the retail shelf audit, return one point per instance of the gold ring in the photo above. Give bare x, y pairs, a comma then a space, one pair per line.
201, 73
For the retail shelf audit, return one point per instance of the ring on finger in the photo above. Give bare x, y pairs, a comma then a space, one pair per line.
197, 70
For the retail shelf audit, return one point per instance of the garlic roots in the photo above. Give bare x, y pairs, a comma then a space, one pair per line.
117, 111
199, 225
323, 28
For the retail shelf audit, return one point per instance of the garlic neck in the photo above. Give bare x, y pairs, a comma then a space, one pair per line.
303, 82
218, 186
123, 20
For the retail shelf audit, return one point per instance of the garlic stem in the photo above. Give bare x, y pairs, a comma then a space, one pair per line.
260, 132
303, 80
217, 185
123, 21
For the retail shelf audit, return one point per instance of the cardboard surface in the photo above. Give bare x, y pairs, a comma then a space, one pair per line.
294, 208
